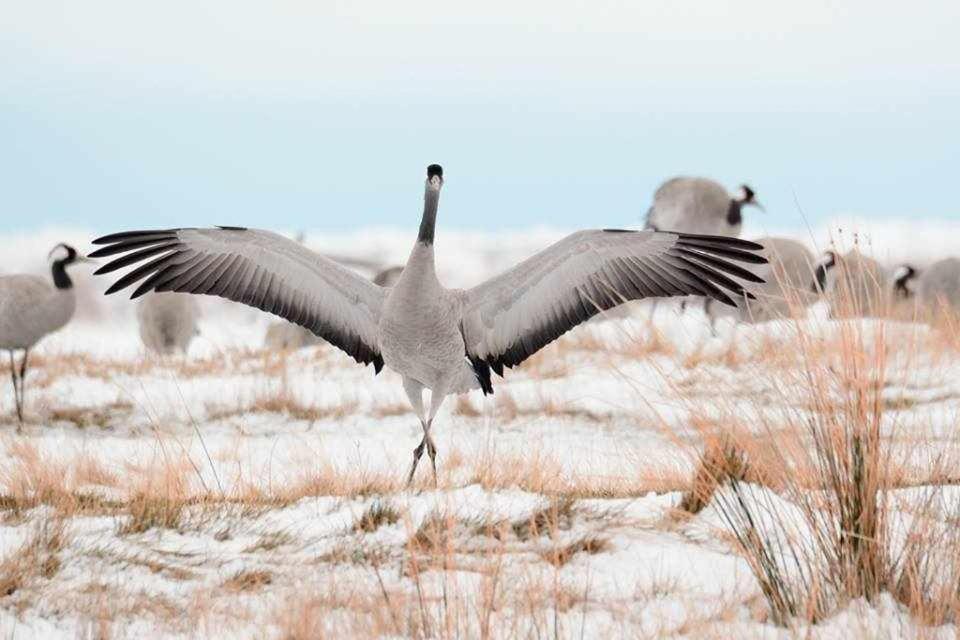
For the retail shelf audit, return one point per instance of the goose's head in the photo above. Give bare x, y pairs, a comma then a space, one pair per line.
434, 177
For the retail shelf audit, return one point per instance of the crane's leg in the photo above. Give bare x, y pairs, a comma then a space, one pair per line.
436, 399
23, 380
16, 390
415, 394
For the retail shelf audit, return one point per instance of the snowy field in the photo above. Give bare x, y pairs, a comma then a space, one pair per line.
236, 492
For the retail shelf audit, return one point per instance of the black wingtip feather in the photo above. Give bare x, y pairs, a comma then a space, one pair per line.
182, 269
125, 235
729, 241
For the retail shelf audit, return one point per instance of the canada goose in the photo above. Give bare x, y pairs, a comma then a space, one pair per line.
445, 340
936, 285
698, 205
786, 286
854, 284
168, 321
31, 307
283, 335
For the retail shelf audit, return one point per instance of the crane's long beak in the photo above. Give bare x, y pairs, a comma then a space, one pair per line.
758, 206
85, 260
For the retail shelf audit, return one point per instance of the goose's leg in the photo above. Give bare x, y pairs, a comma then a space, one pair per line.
436, 399
16, 390
415, 394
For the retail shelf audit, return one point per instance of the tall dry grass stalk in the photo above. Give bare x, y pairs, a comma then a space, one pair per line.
826, 530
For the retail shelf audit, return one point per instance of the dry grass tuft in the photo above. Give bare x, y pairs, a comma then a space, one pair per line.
560, 556
151, 511
435, 533
37, 558
248, 580
556, 516
830, 536
377, 515
270, 541
721, 461
86, 417
284, 402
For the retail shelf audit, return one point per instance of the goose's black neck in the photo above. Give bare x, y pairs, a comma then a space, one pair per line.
429, 222
60, 278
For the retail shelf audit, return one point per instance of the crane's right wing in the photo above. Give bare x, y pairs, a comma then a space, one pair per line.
257, 268
512, 316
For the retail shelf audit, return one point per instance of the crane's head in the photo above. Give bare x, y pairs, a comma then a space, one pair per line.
747, 196
903, 279
64, 254
434, 177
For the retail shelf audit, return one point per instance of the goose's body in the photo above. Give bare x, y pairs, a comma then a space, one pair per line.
785, 289
32, 307
168, 322
445, 340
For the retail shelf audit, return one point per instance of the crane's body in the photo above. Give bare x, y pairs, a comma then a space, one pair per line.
786, 287
444, 340
168, 322
419, 330
935, 285
32, 307
855, 285
698, 205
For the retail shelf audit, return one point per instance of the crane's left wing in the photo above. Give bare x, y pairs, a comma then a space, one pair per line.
257, 268
512, 316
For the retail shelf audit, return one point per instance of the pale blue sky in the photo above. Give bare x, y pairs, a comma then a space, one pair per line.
323, 115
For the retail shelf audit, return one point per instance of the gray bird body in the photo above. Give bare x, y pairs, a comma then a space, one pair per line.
939, 284
167, 321
287, 336
30, 308
854, 284
785, 291
695, 205
420, 329
445, 340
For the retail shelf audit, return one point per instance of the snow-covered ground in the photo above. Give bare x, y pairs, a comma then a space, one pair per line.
235, 492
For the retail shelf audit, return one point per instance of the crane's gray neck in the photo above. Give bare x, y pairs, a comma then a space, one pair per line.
429, 222
60, 278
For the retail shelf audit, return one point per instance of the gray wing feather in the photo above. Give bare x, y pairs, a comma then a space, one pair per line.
510, 317
257, 268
